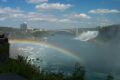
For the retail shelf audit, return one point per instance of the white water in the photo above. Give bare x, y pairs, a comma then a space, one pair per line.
88, 35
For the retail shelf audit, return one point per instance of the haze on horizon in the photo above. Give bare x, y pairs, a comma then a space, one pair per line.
56, 14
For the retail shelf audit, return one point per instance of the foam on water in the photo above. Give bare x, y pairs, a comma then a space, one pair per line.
87, 35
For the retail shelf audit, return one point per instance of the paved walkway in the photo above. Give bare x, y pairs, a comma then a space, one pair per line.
11, 76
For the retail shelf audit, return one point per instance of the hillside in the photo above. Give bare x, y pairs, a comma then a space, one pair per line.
108, 33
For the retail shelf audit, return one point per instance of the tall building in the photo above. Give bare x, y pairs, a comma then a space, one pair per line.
23, 26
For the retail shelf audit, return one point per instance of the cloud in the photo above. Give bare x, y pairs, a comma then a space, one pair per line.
78, 16
53, 6
34, 16
4, 0
64, 20
82, 15
36, 1
2, 18
104, 11
8, 10
9, 13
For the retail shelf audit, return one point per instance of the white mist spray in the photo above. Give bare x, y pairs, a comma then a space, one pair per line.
87, 35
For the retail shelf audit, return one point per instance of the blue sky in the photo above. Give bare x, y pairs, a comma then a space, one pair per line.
56, 14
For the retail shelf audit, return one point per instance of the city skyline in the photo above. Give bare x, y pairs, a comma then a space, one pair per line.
56, 14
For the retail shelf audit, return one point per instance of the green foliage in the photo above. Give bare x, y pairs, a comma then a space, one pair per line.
98, 27
19, 67
78, 73
4, 47
30, 72
110, 77
39, 33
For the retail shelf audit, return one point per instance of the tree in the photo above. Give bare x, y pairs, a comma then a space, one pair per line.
110, 77
79, 72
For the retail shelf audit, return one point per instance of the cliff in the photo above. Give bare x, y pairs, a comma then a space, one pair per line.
108, 33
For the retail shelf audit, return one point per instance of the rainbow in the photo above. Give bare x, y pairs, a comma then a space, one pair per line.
63, 51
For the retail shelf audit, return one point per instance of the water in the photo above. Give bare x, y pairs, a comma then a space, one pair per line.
61, 50
85, 36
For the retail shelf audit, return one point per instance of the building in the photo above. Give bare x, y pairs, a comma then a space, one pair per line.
23, 26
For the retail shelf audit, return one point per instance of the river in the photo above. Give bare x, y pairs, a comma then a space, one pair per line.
62, 51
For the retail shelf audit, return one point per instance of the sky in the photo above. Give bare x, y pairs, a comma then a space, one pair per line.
59, 14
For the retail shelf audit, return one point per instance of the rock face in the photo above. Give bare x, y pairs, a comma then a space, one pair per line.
109, 32
4, 48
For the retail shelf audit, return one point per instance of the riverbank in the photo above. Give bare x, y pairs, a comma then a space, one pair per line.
29, 72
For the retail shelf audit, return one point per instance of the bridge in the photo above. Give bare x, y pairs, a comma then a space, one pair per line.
74, 31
